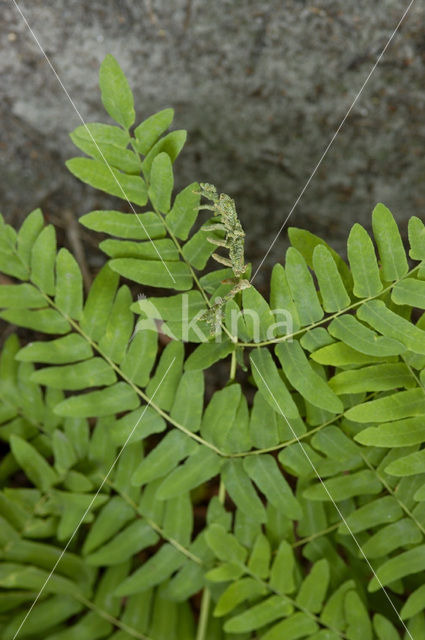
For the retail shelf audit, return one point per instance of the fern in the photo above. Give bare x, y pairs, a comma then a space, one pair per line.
139, 489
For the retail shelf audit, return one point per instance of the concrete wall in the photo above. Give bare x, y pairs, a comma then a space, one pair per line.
261, 87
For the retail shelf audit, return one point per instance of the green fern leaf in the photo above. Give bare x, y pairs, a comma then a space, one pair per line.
409, 291
294, 627
391, 325
188, 402
119, 328
94, 372
392, 537
99, 303
27, 235
140, 357
379, 511
171, 144
175, 446
148, 131
380, 377
406, 563
302, 376
34, 465
156, 570
70, 348
416, 230
107, 143
110, 519
140, 226
360, 338
282, 569
178, 519
43, 320
341, 488
117, 97
390, 245
161, 182
271, 385
21, 296
359, 625
117, 397
43, 256
69, 295
101, 176
313, 589
408, 465
414, 604
403, 404
171, 275
184, 211
197, 469
136, 536
302, 288
400, 433
384, 629
241, 490
364, 266
264, 471
332, 289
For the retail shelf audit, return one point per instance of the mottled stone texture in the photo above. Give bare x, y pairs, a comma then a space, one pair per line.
261, 88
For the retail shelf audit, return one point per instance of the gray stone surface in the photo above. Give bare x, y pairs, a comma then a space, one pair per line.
261, 88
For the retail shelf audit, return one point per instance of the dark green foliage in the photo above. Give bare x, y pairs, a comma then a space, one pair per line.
111, 446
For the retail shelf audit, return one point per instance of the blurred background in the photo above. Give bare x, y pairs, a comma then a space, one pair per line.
260, 86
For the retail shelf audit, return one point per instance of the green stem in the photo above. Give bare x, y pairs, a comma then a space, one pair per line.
287, 443
171, 420
221, 491
233, 363
289, 336
393, 492
154, 525
135, 388
106, 616
201, 633
319, 534
206, 595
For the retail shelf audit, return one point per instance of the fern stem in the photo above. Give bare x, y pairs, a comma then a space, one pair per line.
135, 388
106, 616
289, 336
413, 374
221, 491
201, 633
154, 525
233, 363
165, 415
287, 443
313, 536
393, 492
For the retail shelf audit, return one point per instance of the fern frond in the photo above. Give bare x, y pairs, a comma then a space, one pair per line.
116, 442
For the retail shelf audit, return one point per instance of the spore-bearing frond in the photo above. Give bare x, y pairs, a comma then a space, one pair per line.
226, 219
224, 209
